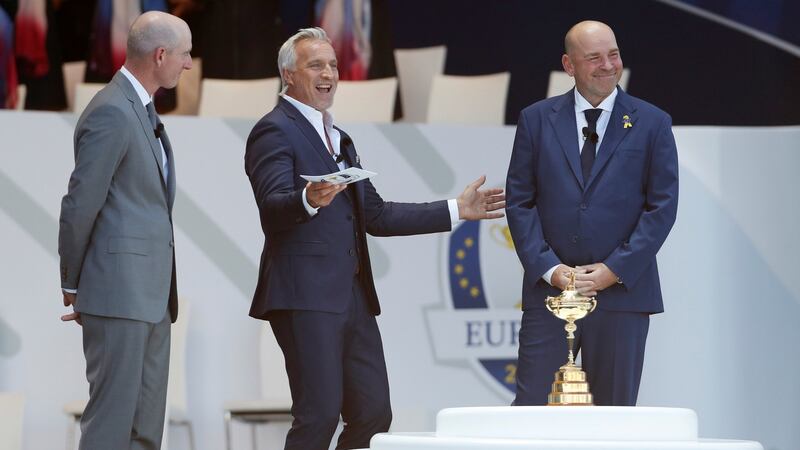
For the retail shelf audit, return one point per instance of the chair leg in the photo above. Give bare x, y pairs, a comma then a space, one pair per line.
74, 422
228, 431
190, 430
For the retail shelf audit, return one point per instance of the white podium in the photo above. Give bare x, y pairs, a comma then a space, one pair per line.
560, 428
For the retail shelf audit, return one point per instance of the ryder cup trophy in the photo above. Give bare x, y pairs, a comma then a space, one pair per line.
570, 386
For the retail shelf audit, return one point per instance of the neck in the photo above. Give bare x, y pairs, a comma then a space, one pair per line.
150, 85
592, 99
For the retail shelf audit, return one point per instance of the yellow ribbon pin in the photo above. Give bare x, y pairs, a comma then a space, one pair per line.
626, 121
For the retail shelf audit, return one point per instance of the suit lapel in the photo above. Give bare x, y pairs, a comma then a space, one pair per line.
144, 120
616, 132
563, 120
310, 133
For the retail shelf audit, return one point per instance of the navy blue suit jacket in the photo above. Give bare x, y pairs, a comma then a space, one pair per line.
309, 263
620, 216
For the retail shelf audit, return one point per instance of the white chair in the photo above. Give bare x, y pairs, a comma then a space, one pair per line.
249, 99
22, 92
73, 74
188, 90
84, 92
12, 408
176, 386
365, 101
560, 82
472, 100
275, 404
416, 68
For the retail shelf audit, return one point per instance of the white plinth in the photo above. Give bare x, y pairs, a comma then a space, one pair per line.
560, 428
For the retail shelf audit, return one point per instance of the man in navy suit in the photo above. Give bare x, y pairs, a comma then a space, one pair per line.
315, 283
592, 188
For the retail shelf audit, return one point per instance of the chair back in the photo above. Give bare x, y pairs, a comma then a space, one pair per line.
472, 100
248, 99
73, 72
12, 408
416, 68
84, 92
365, 101
560, 82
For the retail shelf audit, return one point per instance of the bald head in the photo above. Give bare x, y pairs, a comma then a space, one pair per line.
582, 31
152, 30
593, 59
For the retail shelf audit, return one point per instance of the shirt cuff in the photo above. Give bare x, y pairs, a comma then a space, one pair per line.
452, 205
69, 291
549, 275
309, 209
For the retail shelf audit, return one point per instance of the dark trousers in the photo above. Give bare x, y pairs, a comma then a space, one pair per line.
611, 345
336, 366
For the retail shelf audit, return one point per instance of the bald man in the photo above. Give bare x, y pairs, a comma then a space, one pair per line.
116, 241
592, 188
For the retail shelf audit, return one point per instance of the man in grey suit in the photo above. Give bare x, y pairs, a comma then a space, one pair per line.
116, 241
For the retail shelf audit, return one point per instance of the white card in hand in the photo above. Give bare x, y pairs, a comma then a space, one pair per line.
346, 176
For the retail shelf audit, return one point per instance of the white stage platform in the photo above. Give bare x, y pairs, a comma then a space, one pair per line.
560, 428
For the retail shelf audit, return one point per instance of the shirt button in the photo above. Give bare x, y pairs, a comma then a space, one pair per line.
352, 252
349, 217
574, 239
583, 206
172, 243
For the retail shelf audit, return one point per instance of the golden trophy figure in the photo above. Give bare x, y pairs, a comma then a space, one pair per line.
570, 386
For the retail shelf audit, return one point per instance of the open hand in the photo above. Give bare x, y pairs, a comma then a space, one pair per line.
476, 204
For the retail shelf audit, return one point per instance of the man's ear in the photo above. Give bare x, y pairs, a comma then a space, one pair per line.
567, 64
287, 77
160, 54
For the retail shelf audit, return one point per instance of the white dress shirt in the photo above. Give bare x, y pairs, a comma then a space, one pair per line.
581, 105
322, 121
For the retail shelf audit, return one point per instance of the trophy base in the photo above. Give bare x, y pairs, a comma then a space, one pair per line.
570, 388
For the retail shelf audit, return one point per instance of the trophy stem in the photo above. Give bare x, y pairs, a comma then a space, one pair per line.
570, 327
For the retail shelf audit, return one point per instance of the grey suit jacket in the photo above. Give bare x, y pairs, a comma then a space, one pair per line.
115, 235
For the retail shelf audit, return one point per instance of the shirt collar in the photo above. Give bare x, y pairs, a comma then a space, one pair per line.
581, 104
137, 86
310, 113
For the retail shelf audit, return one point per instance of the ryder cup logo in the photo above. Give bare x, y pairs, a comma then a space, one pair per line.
479, 324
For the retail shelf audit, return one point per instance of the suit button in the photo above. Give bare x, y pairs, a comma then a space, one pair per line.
574, 239
352, 252
583, 206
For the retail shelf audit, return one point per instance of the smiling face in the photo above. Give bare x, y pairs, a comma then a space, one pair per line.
593, 59
315, 75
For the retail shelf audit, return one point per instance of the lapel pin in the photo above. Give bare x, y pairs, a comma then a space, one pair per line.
626, 121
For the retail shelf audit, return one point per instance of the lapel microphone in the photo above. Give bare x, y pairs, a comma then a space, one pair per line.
593, 136
159, 130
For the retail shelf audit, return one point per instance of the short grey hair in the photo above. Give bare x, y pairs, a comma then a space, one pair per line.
287, 56
150, 31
